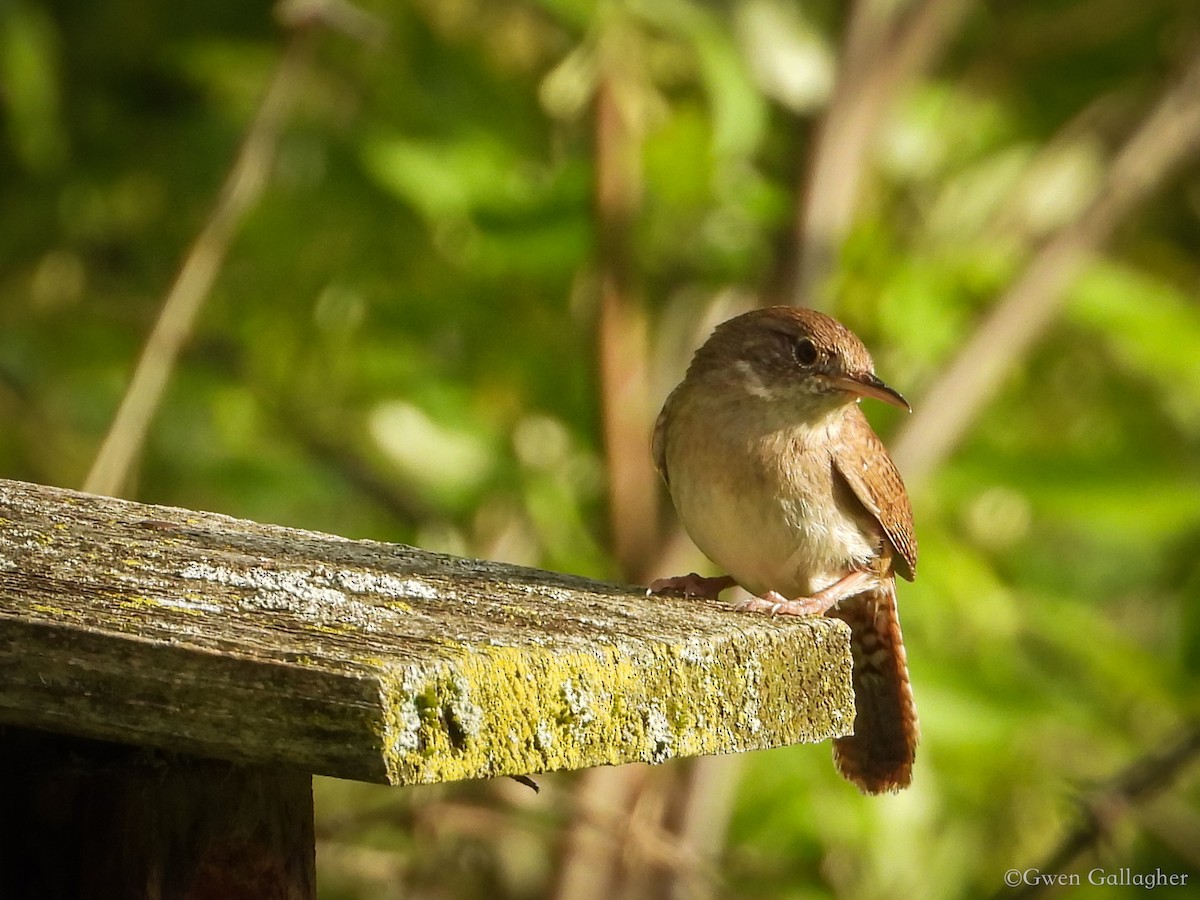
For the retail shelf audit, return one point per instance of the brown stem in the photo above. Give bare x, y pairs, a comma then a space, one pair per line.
243, 187
622, 340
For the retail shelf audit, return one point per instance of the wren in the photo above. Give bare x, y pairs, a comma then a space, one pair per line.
780, 480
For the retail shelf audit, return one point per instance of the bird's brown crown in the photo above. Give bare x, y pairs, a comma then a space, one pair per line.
783, 341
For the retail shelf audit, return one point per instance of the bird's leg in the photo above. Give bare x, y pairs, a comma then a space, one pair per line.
691, 585
818, 604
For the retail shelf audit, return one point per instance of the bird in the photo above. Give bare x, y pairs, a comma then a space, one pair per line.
779, 479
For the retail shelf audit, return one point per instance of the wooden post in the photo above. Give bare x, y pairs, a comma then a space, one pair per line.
97, 820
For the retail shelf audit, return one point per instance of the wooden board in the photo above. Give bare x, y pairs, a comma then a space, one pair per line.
225, 638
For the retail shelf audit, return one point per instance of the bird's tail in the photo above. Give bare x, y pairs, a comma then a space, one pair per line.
879, 756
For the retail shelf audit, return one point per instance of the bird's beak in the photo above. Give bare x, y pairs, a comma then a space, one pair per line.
867, 385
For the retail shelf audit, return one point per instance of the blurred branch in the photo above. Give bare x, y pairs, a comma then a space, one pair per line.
590, 865
243, 187
1166, 138
595, 865
704, 805
1145, 777
621, 843
404, 505
334, 444
587, 863
652, 846
622, 339
1175, 823
885, 47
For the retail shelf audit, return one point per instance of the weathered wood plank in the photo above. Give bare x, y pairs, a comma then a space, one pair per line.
224, 638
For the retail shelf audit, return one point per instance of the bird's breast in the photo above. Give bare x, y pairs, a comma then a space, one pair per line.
764, 506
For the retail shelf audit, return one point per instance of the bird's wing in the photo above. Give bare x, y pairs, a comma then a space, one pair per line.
864, 464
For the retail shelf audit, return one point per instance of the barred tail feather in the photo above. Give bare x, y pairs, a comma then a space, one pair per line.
879, 756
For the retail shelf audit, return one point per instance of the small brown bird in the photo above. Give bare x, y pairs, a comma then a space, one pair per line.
780, 481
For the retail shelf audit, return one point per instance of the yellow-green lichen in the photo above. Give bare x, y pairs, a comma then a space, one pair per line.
502, 710
55, 612
137, 602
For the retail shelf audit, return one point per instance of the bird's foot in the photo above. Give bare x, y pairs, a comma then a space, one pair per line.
775, 604
691, 585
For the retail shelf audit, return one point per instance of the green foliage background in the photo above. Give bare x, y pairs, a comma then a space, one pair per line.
402, 346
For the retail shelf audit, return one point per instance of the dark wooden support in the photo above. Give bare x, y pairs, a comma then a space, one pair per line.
104, 821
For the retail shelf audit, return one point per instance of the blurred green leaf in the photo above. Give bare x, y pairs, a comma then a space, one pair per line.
1152, 328
29, 76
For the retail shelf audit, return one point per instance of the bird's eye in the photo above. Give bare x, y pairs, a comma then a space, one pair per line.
806, 352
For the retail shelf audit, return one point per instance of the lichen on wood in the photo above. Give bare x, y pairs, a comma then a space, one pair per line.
220, 637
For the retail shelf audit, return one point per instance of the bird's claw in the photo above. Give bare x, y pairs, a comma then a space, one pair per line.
690, 585
774, 604
770, 603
